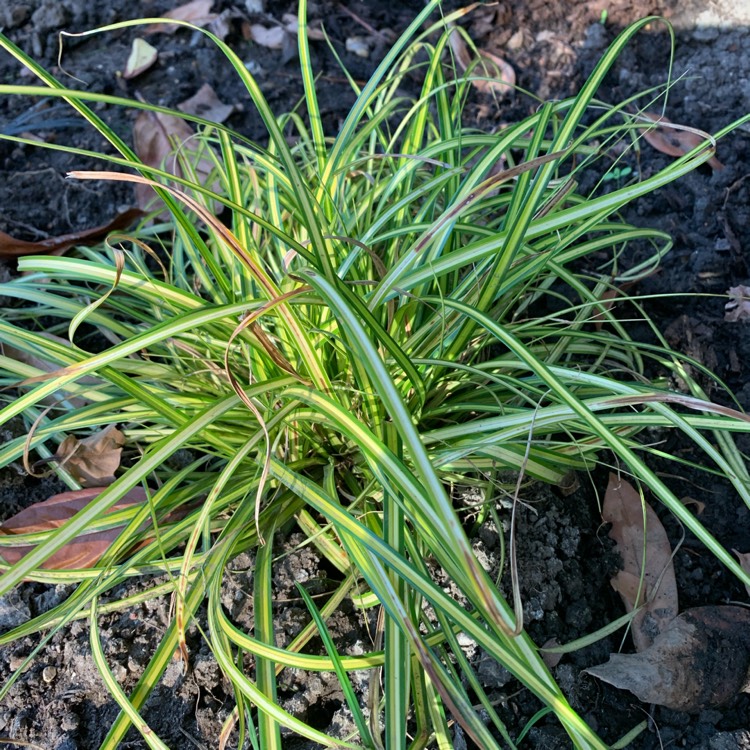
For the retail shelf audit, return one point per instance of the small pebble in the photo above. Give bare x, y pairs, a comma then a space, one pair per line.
358, 46
49, 674
15, 663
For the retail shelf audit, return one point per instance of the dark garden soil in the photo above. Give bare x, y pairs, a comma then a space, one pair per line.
60, 702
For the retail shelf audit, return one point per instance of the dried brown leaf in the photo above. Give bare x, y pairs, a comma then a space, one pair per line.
94, 460
489, 65
82, 552
197, 12
738, 307
291, 24
221, 25
551, 658
273, 37
156, 138
205, 103
142, 57
608, 301
701, 660
744, 559
699, 505
675, 140
10, 247
654, 588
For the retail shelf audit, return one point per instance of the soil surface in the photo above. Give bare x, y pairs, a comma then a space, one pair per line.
60, 702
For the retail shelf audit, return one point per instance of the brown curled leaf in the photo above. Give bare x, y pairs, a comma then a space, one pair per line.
94, 460
653, 589
10, 247
490, 66
701, 660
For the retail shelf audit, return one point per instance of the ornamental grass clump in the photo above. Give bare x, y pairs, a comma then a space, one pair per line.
381, 318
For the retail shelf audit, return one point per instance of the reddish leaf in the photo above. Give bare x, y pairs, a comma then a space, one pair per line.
82, 552
654, 588
10, 247
197, 12
675, 140
701, 660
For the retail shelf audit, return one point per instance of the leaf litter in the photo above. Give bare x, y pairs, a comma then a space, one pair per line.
82, 552
738, 307
686, 662
647, 580
701, 660
158, 139
94, 460
142, 57
10, 247
205, 103
675, 140
197, 12
501, 75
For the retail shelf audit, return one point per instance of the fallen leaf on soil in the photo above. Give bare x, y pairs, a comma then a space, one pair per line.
291, 24
221, 25
10, 247
142, 57
358, 45
744, 558
738, 307
94, 460
273, 37
655, 591
701, 660
197, 12
490, 65
82, 552
156, 137
608, 300
551, 659
675, 140
205, 103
